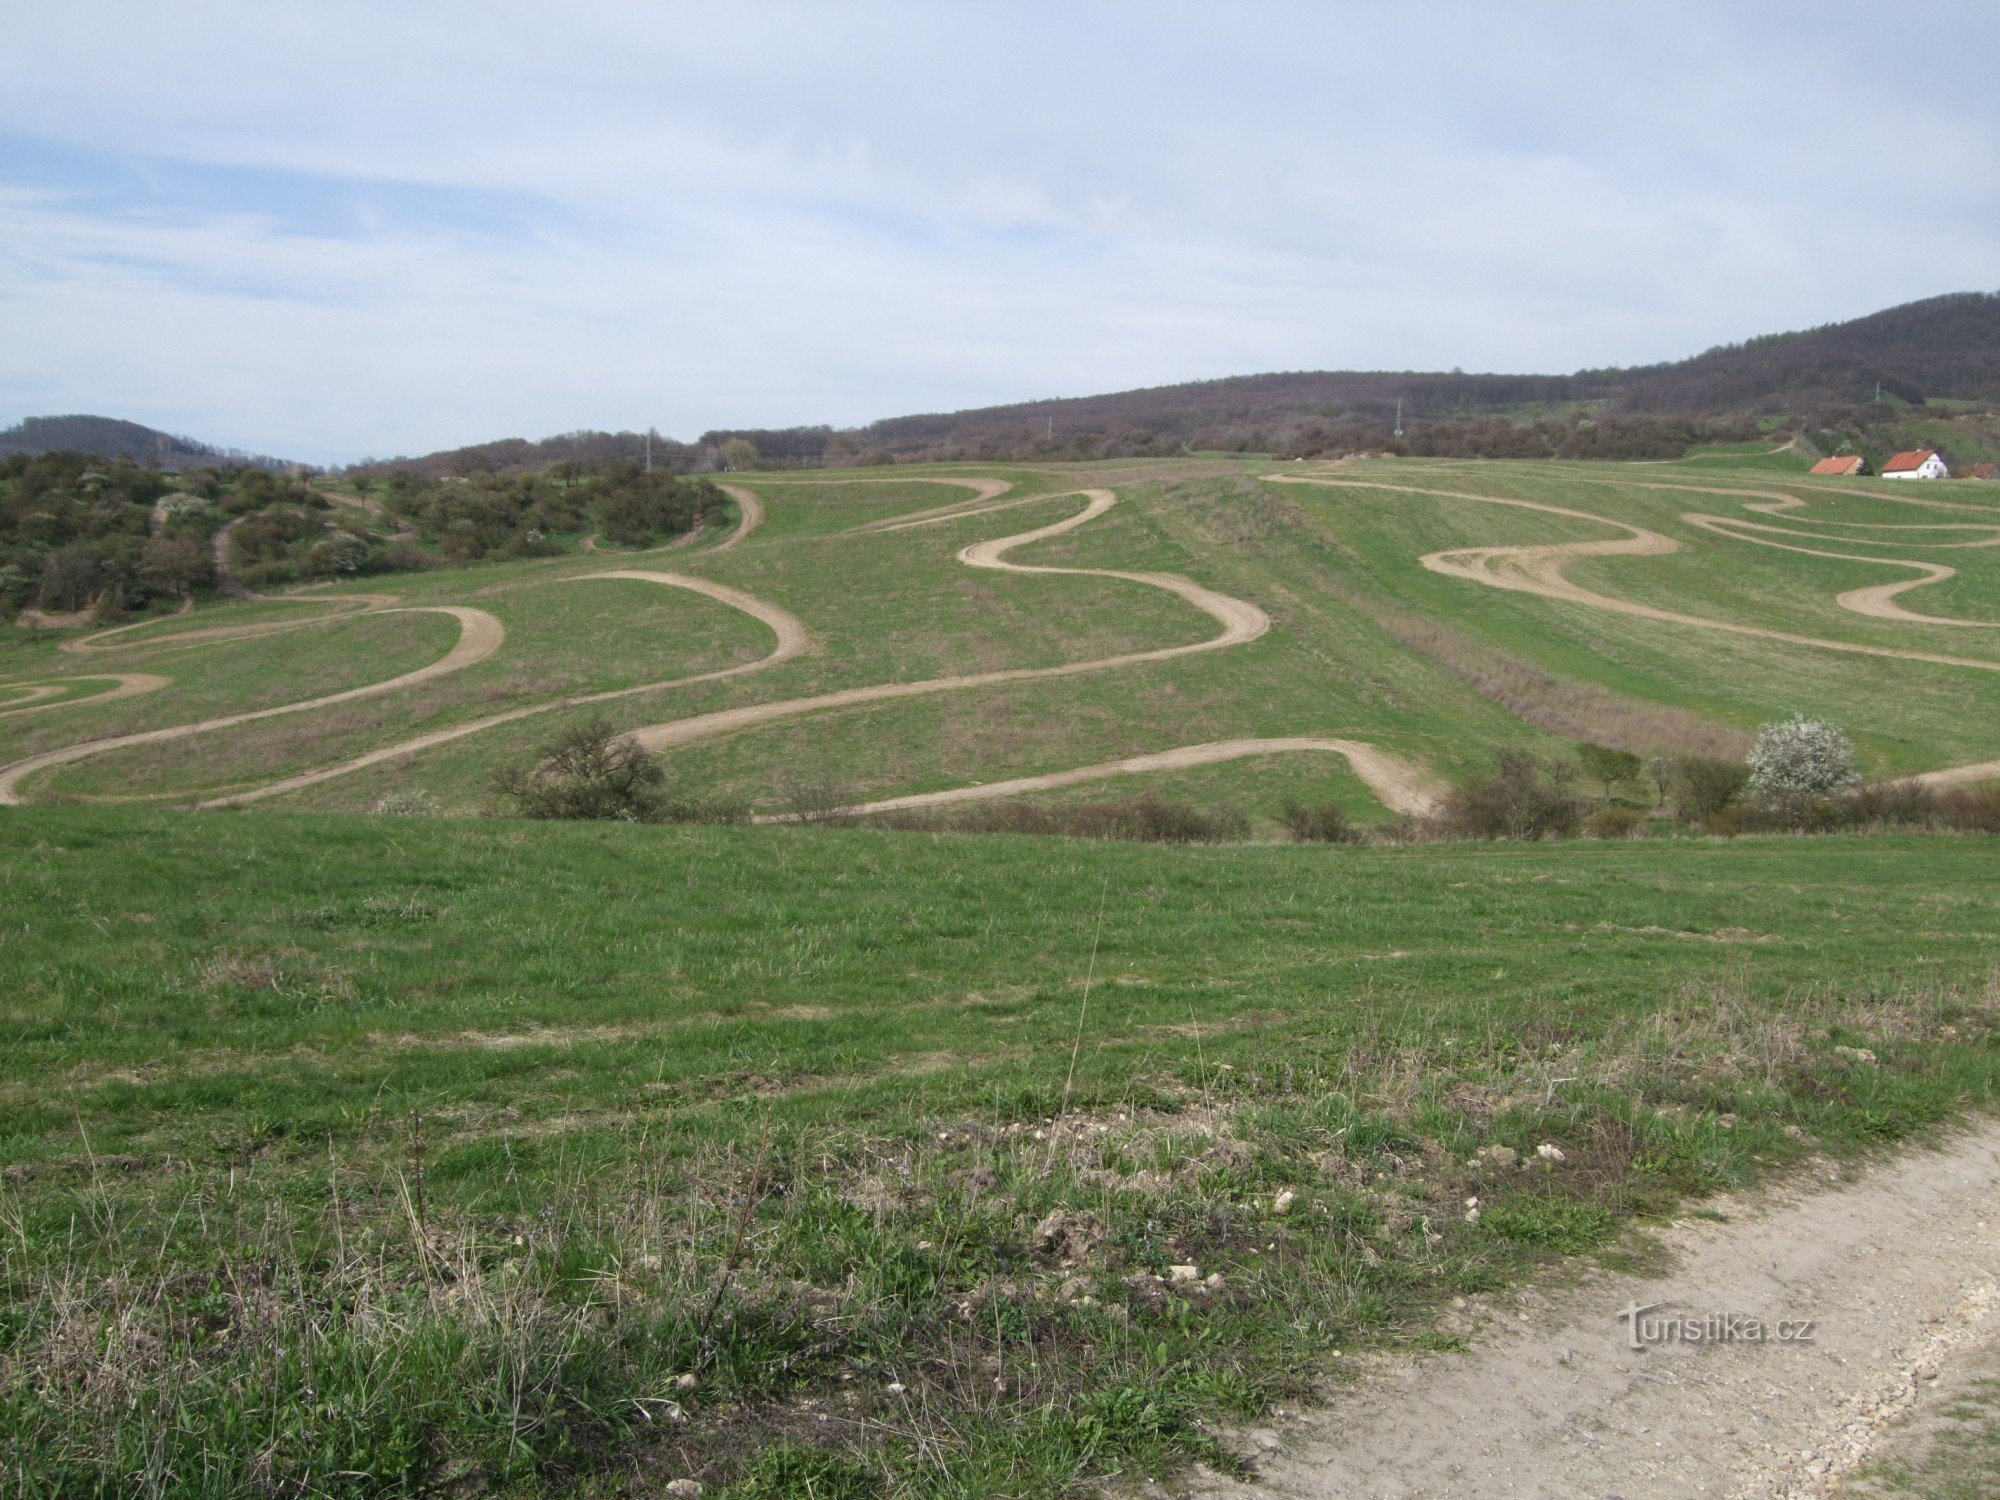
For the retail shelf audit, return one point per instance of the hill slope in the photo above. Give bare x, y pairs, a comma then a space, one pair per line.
1943, 348
1230, 636
109, 437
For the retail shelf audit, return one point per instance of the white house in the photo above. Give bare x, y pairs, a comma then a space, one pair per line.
1918, 463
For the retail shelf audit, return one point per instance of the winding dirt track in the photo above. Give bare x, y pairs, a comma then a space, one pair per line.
793, 639
751, 516
1402, 787
480, 635
1241, 622
1538, 570
129, 685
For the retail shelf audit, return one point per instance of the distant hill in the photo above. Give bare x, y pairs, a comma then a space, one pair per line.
1824, 380
108, 437
1945, 347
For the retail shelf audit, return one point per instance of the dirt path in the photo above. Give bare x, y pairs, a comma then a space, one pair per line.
1401, 786
982, 490
750, 516
479, 636
125, 685
1241, 622
1538, 569
793, 639
1552, 1401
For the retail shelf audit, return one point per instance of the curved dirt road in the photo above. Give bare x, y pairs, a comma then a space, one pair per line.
1399, 785
750, 515
129, 685
1241, 622
1538, 570
983, 490
1552, 1401
793, 639
479, 636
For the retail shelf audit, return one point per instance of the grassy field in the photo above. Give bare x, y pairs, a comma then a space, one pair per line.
1365, 643
364, 1156
355, 1156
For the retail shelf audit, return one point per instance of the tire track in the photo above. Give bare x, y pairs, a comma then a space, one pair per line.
1401, 786
793, 640
129, 685
480, 635
1538, 569
750, 516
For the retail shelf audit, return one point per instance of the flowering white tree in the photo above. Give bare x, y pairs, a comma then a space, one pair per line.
1799, 761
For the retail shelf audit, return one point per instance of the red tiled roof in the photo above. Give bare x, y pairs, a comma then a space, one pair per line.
1849, 463
1903, 462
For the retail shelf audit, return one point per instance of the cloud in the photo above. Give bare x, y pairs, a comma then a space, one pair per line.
328, 229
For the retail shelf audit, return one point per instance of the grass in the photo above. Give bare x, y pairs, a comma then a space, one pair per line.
1365, 643
1949, 1450
358, 1156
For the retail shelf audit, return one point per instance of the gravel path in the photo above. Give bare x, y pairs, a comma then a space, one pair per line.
1896, 1271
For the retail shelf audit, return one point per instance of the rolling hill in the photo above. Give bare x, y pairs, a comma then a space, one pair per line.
109, 437
430, 1150
1825, 380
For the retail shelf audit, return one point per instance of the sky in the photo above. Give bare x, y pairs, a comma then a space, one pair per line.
325, 231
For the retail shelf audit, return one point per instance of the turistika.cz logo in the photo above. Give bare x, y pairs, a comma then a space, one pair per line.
1648, 1326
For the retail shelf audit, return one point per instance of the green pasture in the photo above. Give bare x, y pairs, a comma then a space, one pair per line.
369, 1156
1365, 642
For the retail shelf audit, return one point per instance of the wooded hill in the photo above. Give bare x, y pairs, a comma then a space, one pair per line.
108, 437
1823, 380
1854, 384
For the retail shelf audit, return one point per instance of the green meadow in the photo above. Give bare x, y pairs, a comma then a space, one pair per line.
365, 1156
379, 1155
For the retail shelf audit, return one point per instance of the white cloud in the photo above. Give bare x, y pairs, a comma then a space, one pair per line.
325, 229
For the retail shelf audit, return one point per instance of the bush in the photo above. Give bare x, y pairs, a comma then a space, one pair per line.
1606, 766
1701, 786
72, 578
1317, 822
1524, 798
588, 772
1798, 764
1613, 823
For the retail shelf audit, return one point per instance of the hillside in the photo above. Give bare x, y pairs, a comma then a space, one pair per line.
1822, 380
469, 1152
1357, 634
108, 437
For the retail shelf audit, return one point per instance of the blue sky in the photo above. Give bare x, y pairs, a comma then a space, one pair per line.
329, 230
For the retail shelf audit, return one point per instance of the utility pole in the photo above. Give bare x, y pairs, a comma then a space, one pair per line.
1399, 416
1052, 429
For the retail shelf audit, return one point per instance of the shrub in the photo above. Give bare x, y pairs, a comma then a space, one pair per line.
1606, 766
1701, 786
1317, 822
590, 772
1799, 763
1524, 798
72, 578
1613, 823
